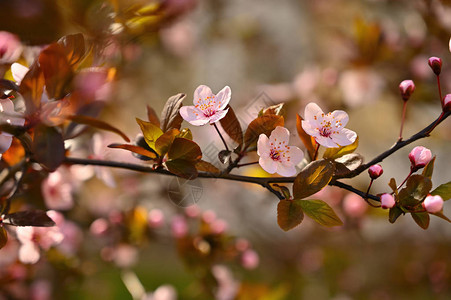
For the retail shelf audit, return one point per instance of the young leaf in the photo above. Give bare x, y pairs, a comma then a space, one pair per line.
347, 163
57, 71
135, 149
80, 119
443, 190
417, 188
232, 126
394, 213
306, 139
150, 131
283, 189
183, 168
152, 116
393, 185
277, 109
184, 149
422, 219
74, 46
163, 143
333, 153
31, 88
261, 125
289, 214
36, 218
48, 147
320, 212
429, 168
205, 166
3, 237
170, 117
313, 178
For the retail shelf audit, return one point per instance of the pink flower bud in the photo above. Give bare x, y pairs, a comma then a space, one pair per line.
406, 87
447, 103
436, 64
419, 157
375, 171
387, 201
433, 204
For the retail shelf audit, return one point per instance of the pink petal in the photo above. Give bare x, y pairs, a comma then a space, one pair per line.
280, 135
24, 233
341, 116
222, 99
344, 137
268, 164
285, 169
18, 71
326, 142
201, 93
218, 116
193, 115
263, 147
296, 155
5, 142
29, 253
309, 128
312, 110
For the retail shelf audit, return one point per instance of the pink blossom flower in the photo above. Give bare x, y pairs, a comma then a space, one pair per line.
375, 171
387, 201
419, 157
406, 87
275, 154
433, 204
447, 103
57, 191
208, 107
436, 64
9, 116
10, 47
327, 129
33, 238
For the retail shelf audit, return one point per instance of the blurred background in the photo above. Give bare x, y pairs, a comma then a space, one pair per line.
135, 236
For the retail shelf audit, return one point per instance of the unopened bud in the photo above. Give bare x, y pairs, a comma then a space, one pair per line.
447, 103
406, 87
375, 171
419, 157
433, 204
436, 64
387, 201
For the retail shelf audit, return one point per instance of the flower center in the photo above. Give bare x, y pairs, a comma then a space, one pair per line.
274, 154
207, 106
326, 130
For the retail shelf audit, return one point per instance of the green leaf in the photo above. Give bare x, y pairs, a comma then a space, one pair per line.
429, 168
152, 116
74, 46
163, 143
150, 132
48, 147
313, 178
31, 88
57, 71
443, 190
135, 149
184, 149
93, 122
261, 125
205, 166
333, 153
320, 212
307, 140
394, 213
3, 237
417, 188
232, 126
347, 163
392, 184
170, 117
289, 214
183, 168
422, 219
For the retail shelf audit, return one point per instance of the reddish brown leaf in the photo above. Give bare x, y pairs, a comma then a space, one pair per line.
184, 149
36, 218
74, 46
205, 166
232, 126
97, 124
289, 214
3, 237
31, 88
261, 125
48, 147
134, 149
170, 117
152, 116
313, 178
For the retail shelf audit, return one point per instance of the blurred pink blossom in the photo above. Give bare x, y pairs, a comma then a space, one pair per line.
99, 227
164, 292
227, 285
57, 191
250, 259
361, 86
93, 84
179, 226
10, 47
73, 235
155, 218
8, 116
41, 290
354, 206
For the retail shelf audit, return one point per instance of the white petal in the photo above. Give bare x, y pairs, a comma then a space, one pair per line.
326, 142
309, 129
193, 115
201, 93
6, 106
341, 116
5, 142
263, 147
222, 99
312, 110
268, 164
286, 169
218, 116
296, 155
18, 71
344, 137
29, 253
280, 135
